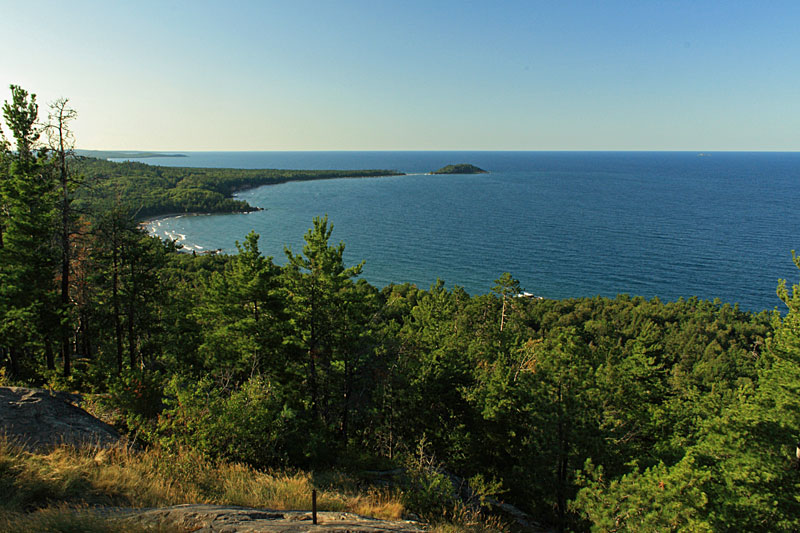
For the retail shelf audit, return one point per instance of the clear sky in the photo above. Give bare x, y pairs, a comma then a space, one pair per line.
413, 75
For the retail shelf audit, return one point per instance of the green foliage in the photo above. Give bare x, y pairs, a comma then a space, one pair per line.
252, 423
327, 329
138, 395
658, 499
427, 489
735, 469
238, 313
28, 314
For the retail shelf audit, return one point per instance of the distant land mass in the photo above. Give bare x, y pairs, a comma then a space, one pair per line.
462, 168
124, 154
147, 191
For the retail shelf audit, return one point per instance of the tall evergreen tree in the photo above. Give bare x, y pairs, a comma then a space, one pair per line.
28, 321
240, 313
318, 285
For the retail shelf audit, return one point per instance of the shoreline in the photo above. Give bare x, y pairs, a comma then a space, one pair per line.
148, 224
152, 230
149, 220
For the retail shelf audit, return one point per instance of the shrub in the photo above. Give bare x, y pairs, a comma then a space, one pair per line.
252, 424
138, 397
428, 491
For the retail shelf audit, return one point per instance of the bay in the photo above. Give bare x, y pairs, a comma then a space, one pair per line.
666, 224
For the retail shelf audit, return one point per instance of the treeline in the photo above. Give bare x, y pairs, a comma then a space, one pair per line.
589, 413
148, 190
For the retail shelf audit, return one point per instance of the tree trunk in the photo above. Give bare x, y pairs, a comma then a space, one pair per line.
131, 311
312, 356
561, 474
66, 347
256, 367
115, 299
346, 406
14, 360
48, 355
60, 117
86, 343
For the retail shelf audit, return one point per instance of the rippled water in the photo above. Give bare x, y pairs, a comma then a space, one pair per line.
563, 223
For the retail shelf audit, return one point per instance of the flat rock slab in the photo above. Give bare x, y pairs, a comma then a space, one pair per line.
37, 419
231, 519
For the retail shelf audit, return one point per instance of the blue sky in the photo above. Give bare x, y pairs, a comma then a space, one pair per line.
408, 75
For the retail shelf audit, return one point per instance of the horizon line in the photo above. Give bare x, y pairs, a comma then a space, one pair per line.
166, 151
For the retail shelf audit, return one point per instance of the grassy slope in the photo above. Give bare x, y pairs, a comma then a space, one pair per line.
46, 488
54, 491
123, 477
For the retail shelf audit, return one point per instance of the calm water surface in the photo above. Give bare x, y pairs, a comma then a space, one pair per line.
564, 223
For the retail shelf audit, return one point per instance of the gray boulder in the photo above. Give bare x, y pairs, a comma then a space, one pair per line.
37, 419
232, 519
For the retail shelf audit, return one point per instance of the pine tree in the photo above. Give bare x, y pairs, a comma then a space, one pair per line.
240, 315
28, 318
318, 285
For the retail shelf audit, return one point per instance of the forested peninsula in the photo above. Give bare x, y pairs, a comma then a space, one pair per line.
243, 382
124, 154
146, 191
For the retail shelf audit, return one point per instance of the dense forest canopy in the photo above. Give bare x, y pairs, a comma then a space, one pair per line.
601, 414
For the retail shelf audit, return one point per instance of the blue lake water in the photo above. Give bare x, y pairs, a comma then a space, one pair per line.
666, 224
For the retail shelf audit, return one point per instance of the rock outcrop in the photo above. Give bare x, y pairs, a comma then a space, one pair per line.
37, 419
216, 518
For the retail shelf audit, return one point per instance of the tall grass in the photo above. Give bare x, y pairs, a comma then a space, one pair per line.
127, 478
57, 490
464, 520
64, 519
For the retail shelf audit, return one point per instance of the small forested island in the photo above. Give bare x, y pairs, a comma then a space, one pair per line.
244, 381
462, 168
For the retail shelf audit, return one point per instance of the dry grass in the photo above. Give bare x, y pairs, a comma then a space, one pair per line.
379, 504
54, 491
463, 520
126, 478
61, 518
